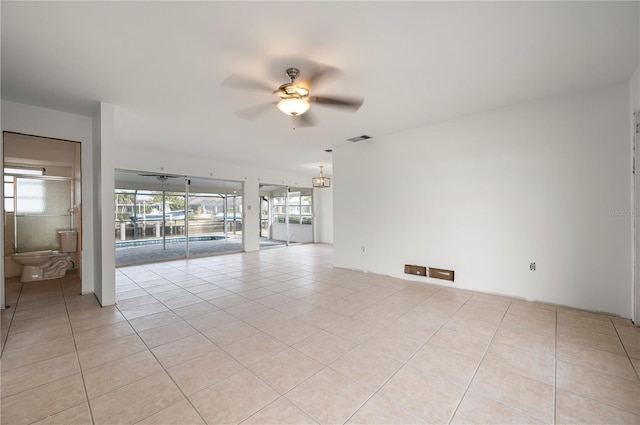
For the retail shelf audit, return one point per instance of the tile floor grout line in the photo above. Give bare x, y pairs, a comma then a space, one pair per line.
500, 403
78, 360
245, 368
484, 353
410, 357
248, 369
266, 383
265, 406
163, 369
324, 367
15, 307
604, 373
75, 345
624, 347
375, 392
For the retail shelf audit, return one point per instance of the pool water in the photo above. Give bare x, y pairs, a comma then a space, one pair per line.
146, 242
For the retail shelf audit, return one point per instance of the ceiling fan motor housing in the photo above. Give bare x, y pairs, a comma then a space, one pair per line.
290, 90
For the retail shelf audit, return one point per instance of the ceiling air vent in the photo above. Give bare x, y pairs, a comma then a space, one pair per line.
359, 138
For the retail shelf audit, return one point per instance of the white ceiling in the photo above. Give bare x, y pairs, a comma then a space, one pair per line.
161, 64
149, 181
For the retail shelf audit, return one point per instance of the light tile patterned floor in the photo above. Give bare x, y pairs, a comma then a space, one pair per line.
281, 337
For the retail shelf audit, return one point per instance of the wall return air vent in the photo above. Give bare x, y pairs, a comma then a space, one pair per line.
429, 272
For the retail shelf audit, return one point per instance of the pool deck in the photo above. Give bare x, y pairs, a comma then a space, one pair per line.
172, 250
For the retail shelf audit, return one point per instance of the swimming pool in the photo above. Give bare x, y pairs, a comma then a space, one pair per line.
147, 242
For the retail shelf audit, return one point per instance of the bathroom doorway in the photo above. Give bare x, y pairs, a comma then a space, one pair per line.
42, 197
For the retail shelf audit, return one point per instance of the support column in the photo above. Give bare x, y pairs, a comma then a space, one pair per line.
251, 216
104, 186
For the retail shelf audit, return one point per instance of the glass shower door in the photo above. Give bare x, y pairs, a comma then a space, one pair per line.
41, 210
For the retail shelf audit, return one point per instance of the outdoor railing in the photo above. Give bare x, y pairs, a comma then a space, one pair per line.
152, 229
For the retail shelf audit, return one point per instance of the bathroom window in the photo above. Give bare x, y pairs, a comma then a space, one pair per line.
42, 209
9, 183
8, 193
33, 197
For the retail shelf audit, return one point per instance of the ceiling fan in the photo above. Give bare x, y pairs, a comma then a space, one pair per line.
161, 177
294, 96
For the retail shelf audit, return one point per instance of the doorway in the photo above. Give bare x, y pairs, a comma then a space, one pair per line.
286, 215
42, 196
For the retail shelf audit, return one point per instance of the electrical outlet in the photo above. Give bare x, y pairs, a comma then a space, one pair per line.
532, 267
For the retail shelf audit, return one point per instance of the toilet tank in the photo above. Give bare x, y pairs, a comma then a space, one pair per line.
68, 240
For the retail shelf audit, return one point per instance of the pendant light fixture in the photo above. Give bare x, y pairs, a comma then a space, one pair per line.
321, 181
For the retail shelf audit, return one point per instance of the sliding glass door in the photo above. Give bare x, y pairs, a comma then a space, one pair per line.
215, 223
162, 217
292, 215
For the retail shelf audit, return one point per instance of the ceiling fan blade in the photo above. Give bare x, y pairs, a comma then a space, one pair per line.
254, 111
353, 103
305, 120
322, 73
241, 82
169, 176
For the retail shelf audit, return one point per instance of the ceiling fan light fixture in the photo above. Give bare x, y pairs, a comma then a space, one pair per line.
294, 98
321, 181
293, 106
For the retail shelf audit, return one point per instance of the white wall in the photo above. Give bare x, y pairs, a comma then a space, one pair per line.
634, 89
634, 97
298, 233
31, 120
203, 165
323, 214
486, 195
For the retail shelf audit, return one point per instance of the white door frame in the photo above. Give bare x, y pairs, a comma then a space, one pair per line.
636, 220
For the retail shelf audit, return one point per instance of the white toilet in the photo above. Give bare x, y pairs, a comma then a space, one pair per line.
41, 265
49, 264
